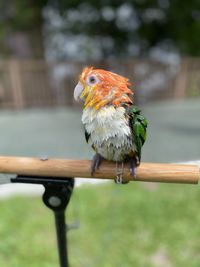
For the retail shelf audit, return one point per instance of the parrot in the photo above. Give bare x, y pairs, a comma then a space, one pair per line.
114, 126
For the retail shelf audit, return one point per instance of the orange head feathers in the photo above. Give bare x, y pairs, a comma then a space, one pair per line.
98, 88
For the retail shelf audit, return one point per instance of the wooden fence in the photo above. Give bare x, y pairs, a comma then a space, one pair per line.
36, 83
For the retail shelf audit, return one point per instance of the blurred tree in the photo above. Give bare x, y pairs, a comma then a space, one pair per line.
132, 27
21, 25
99, 28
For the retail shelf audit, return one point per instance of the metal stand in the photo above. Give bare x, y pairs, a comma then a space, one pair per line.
56, 197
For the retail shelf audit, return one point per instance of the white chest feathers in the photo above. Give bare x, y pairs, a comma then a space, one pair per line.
109, 132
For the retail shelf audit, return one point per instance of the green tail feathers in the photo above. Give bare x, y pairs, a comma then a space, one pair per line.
138, 124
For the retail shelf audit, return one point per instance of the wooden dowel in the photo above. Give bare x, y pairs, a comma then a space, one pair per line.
148, 172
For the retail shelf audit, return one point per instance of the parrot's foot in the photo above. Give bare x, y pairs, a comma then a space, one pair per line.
119, 172
134, 163
96, 162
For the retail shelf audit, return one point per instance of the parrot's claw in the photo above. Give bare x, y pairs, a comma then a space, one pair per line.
133, 172
119, 173
96, 162
133, 165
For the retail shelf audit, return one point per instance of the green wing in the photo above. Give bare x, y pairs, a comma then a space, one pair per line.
138, 124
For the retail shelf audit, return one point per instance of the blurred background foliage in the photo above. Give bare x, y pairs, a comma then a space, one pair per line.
155, 43
98, 29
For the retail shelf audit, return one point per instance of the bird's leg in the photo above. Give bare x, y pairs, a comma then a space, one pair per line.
133, 161
119, 172
96, 161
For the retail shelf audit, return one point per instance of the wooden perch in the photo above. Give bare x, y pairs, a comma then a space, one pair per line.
148, 172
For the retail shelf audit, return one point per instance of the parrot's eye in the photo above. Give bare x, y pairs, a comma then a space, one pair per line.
92, 80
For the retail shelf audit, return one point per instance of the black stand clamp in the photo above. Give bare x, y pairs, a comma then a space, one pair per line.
56, 196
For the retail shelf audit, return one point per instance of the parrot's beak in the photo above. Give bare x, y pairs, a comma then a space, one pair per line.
77, 91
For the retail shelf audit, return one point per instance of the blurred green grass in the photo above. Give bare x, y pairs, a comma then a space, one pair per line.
133, 225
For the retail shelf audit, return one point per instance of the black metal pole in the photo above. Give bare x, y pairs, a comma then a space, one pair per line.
56, 196
61, 238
